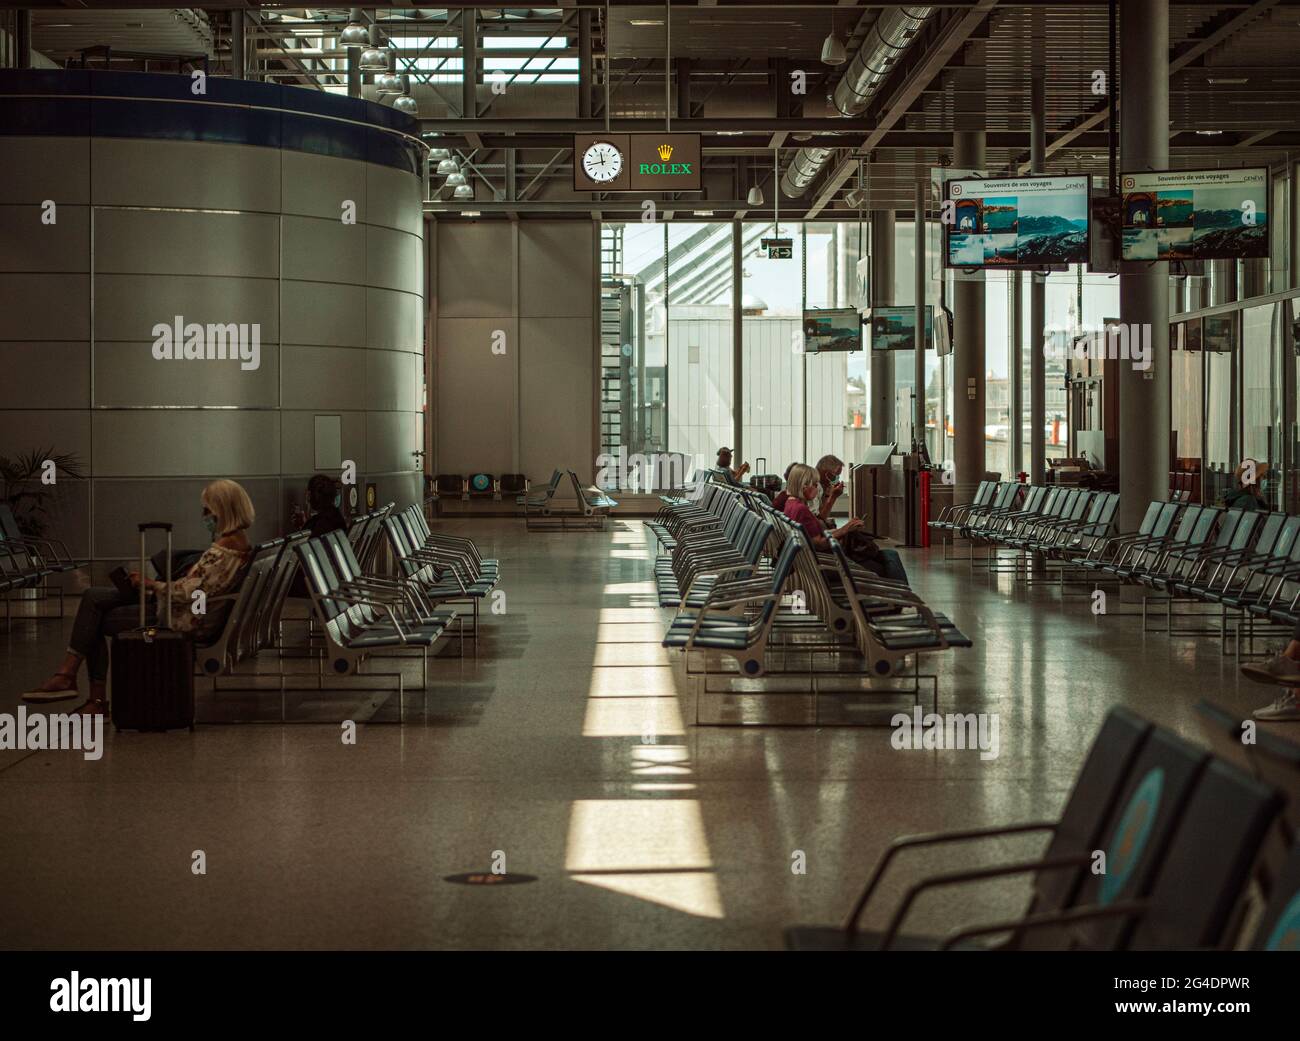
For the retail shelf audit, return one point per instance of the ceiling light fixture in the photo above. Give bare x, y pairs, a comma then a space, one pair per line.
755, 196
463, 191
406, 103
355, 33
374, 58
833, 52
644, 22
1209, 133
437, 155
456, 180
447, 167
389, 82
470, 213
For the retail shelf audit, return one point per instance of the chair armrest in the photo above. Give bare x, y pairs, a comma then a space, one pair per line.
953, 878
1088, 912
908, 842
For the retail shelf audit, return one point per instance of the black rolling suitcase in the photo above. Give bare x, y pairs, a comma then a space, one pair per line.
153, 666
768, 484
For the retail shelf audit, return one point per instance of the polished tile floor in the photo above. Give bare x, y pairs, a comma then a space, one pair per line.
564, 749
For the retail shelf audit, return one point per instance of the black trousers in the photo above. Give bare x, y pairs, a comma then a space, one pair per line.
103, 613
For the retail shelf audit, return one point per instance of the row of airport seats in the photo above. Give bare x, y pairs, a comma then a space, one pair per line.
387, 586
563, 502
1244, 564
743, 578
27, 563
479, 486
1055, 521
249, 619
1201, 852
364, 612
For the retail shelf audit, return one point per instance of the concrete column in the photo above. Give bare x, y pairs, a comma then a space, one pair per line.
469, 77
1037, 295
1223, 281
918, 402
238, 46
882, 295
1292, 278
1015, 373
23, 39
1144, 295
1252, 278
737, 341
354, 72
968, 350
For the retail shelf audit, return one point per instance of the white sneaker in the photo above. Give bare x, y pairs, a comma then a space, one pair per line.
42, 696
1284, 708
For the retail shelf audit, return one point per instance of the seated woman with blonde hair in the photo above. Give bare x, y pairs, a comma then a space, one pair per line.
105, 612
803, 485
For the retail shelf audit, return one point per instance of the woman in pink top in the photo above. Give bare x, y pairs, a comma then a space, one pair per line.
802, 486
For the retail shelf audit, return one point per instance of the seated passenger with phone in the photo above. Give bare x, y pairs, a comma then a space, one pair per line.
803, 484
105, 612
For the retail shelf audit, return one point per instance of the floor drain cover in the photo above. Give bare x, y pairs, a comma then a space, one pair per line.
486, 878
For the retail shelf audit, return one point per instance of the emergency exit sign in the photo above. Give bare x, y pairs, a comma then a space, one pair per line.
778, 249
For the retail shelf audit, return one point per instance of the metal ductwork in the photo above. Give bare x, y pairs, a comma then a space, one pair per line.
889, 36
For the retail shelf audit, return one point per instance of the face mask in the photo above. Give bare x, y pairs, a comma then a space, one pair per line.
210, 522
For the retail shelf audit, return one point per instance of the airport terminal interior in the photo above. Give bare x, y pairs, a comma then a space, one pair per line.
626, 476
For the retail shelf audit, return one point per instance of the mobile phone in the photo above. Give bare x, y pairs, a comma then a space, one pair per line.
122, 580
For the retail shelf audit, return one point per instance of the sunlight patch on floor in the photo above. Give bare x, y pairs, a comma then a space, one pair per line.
652, 849
633, 717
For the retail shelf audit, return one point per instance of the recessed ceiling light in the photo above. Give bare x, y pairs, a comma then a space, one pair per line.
1227, 79
646, 21
1209, 133
470, 213
704, 213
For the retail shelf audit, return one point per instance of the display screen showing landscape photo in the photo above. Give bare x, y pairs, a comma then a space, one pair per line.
894, 328
1032, 222
832, 329
1195, 215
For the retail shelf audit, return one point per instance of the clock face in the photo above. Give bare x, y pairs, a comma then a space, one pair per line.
602, 162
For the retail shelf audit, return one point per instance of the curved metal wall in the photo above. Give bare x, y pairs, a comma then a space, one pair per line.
223, 210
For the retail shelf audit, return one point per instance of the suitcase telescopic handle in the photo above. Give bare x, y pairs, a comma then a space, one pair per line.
165, 617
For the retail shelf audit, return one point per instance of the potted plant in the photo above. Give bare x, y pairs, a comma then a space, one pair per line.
25, 486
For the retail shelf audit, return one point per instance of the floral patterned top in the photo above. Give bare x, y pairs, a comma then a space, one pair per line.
216, 572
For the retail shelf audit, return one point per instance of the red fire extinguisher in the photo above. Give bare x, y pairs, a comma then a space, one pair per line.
925, 508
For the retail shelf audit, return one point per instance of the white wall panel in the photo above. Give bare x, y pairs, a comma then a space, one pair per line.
478, 403
199, 174
39, 168
29, 244
169, 243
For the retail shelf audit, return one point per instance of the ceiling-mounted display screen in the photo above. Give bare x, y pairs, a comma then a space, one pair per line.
1195, 215
894, 328
832, 329
1022, 222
